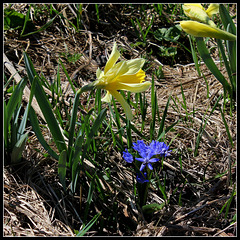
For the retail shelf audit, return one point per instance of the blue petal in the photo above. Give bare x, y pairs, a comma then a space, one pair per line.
127, 156
142, 167
141, 177
150, 166
153, 160
141, 148
140, 159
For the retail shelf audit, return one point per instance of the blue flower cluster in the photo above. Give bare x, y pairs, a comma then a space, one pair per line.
148, 154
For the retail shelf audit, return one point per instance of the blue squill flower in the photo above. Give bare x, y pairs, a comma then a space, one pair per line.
148, 153
127, 156
142, 177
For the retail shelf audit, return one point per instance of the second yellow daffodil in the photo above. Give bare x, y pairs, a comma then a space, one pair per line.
124, 75
197, 12
203, 26
197, 29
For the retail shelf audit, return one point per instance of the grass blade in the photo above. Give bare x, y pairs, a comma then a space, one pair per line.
202, 128
89, 199
93, 130
15, 99
62, 168
45, 106
89, 225
37, 130
194, 55
226, 126
160, 131
18, 149
69, 79
48, 24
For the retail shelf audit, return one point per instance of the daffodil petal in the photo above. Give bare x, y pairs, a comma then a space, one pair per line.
99, 73
107, 98
136, 88
115, 54
123, 103
134, 65
195, 12
194, 4
203, 30
120, 69
212, 9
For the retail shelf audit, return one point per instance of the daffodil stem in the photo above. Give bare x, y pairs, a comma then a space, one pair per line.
85, 88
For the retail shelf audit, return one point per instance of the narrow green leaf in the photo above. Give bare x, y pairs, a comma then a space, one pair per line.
15, 99
89, 225
194, 55
37, 130
226, 63
48, 24
73, 122
62, 168
93, 130
161, 127
204, 53
226, 19
26, 20
45, 105
69, 79
154, 109
226, 126
25, 115
89, 199
18, 149
5, 125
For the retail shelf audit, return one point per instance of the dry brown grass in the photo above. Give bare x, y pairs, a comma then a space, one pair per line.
34, 204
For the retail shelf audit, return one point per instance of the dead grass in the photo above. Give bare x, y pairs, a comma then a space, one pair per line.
34, 204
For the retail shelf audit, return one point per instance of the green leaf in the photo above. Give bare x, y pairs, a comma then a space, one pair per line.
85, 88
37, 130
25, 115
45, 105
226, 19
204, 53
15, 20
5, 126
89, 225
153, 207
231, 45
62, 168
15, 99
194, 55
18, 149
69, 79
168, 34
48, 24
226, 127
93, 130
89, 199
161, 127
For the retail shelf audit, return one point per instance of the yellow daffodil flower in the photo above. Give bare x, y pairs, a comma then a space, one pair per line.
197, 12
124, 75
197, 29
203, 26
